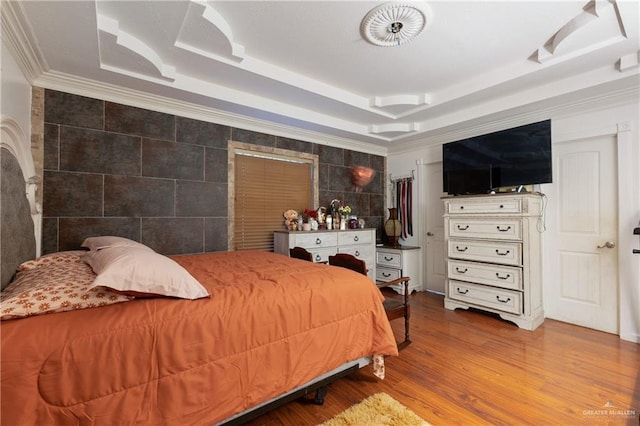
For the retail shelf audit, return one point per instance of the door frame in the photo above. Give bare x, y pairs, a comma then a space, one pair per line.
628, 291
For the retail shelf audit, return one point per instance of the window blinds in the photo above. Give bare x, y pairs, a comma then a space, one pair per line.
264, 188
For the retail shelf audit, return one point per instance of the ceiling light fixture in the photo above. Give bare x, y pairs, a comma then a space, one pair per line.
393, 24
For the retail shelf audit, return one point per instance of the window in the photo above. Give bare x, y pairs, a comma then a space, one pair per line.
266, 182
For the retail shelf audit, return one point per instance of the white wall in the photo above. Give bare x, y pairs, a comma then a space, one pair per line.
403, 165
15, 93
624, 122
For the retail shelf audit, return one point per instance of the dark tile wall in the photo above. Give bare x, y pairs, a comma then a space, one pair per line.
112, 169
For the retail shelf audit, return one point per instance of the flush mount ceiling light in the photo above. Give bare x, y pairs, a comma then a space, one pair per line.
393, 24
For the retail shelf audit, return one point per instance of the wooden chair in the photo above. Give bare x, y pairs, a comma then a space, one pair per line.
394, 308
300, 253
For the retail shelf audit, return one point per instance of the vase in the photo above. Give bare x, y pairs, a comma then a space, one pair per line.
306, 226
343, 223
393, 227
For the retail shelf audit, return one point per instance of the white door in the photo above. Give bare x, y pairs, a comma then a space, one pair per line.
435, 251
582, 285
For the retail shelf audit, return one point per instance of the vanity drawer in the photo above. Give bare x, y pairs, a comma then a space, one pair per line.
502, 252
484, 205
315, 240
508, 277
490, 297
387, 274
503, 229
355, 237
388, 258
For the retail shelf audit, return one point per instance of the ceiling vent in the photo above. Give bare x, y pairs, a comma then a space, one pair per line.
393, 24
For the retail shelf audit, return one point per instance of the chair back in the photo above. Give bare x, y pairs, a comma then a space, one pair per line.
300, 253
393, 307
348, 261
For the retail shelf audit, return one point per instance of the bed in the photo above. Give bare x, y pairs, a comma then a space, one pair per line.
266, 326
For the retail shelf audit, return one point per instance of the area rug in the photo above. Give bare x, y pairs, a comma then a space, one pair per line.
377, 410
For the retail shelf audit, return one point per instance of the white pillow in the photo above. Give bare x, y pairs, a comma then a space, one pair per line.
99, 243
139, 271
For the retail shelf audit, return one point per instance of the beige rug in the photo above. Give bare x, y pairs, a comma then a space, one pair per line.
377, 410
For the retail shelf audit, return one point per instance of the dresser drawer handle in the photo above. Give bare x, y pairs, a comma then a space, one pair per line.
503, 230
388, 259
502, 278
356, 239
357, 253
501, 206
460, 228
466, 290
318, 258
499, 253
318, 241
461, 207
461, 271
463, 249
386, 274
503, 301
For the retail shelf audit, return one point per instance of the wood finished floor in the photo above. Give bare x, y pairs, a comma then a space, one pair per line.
468, 367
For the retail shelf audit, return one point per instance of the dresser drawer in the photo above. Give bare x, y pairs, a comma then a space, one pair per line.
490, 297
484, 205
355, 237
388, 258
322, 255
315, 240
502, 229
366, 253
363, 252
508, 277
501, 252
387, 274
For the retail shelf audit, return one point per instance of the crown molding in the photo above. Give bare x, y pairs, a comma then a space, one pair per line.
16, 33
548, 108
112, 93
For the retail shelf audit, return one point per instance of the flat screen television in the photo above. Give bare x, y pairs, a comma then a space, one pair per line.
507, 158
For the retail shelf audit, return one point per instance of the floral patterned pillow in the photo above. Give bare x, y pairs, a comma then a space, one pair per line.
54, 283
72, 256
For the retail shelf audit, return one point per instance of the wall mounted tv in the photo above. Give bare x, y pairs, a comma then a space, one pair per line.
508, 158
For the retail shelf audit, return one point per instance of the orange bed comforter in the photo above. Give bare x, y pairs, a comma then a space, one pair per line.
271, 324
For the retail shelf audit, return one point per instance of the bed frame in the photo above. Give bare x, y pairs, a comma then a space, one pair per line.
318, 385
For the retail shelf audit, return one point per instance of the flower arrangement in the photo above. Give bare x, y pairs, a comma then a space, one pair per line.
308, 214
344, 210
290, 219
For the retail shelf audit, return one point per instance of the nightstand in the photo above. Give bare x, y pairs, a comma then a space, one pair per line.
396, 262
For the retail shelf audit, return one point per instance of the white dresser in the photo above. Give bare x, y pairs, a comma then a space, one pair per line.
359, 242
396, 262
494, 255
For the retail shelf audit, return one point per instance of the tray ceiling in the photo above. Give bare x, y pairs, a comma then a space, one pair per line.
305, 69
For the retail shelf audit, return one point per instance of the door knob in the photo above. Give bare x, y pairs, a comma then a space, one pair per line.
608, 244
429, 234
